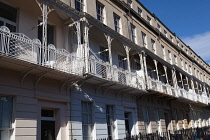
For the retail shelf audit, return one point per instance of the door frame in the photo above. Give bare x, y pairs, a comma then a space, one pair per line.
59, 116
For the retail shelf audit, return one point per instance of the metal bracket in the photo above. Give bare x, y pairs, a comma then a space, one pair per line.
120, 92
25, 73
39, 77
65, 82
99, 86
108, 88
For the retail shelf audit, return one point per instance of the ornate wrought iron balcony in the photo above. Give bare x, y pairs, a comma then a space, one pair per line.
104, 70
189, 95
21, 47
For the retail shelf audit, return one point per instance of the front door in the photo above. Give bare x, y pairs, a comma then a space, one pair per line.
47, 130
128, 123
47, 124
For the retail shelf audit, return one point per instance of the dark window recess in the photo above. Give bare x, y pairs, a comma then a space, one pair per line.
8, 12
50, 33
47, 113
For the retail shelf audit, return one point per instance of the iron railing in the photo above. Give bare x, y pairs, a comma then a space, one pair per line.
184, 134
177, 92
21, 47
104, 70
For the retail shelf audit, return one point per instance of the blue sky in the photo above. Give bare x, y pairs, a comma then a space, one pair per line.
189, 19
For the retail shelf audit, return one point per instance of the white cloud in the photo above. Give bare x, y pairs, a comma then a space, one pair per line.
200, 44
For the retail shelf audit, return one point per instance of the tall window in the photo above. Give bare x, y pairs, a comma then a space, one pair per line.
169, 56
186, 66
165, 33
146, 119
100, 10
139, 11
6, 111
175, 59
8, 17
121, 61
117, 23
133, 34
87, 121
129, 2
149, 20
171, 38
79, 6
153, 45
186, 51
182, 65
104, 54
158, 27
178, 43
156, 113
190, 69
110, 119
144, 39
182, 46
163, 52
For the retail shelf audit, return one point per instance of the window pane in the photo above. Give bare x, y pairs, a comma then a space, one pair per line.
8, 12
6, 109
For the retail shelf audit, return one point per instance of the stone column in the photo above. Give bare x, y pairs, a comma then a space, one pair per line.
86, 42
187, 83
155, 61
174, 77
109, 43
127, 49
145, 68
181, 80
165, 69
192, 84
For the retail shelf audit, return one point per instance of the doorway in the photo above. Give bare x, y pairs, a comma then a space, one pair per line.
166, 120
128, 123
47, 124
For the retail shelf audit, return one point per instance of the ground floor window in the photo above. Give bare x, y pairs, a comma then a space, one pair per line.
110, 117
146, 119
6, 113
87, 120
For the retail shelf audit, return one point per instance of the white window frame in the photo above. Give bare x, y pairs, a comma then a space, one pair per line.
163, 52
149, 20
153, 46
144, 39
133, 33
159, 27
111, 115
165, 33
175, 59
11, 128
140, 11
169, 56
88, 113
172, 40
182, 64
146, 122
117, 20
100, 15
81, 3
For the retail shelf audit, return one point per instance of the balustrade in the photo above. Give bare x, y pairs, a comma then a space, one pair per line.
104, 70
21, 47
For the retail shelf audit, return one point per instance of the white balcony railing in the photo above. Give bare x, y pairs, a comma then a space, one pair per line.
21, 47
104, 70
176, 92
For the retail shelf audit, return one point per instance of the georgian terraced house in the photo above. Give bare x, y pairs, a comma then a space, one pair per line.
91, 69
